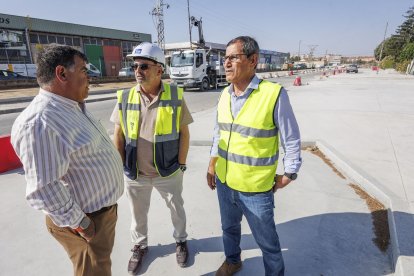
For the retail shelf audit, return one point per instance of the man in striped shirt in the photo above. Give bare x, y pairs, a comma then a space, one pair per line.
74, 173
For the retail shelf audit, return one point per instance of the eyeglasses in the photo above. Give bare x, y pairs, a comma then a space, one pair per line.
142, 66
234, 57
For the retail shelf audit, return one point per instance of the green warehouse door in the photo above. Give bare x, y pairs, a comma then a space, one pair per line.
96, 57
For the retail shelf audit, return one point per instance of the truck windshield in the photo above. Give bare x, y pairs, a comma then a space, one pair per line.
182, 59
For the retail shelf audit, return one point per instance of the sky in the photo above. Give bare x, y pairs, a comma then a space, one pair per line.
345, 27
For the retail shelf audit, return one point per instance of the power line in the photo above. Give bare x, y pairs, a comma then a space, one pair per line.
215, 16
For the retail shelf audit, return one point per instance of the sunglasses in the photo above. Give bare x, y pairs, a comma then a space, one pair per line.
142, 66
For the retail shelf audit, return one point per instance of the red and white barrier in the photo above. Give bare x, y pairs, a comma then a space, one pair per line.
298, 81
8, 158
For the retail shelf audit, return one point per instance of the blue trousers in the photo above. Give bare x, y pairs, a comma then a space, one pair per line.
258, 210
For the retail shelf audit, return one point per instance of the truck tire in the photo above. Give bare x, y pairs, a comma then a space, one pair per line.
205, 85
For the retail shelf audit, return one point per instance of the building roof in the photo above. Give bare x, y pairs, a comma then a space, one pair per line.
48, 26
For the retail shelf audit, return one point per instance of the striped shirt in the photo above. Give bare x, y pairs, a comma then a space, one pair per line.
71, 165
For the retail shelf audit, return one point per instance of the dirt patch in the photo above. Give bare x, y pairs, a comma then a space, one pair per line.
316, 151
378, 211
379, 218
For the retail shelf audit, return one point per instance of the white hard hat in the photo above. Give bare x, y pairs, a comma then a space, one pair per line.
149, 51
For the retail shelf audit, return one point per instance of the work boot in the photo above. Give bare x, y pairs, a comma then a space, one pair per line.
181, 251
228, 269
135, 262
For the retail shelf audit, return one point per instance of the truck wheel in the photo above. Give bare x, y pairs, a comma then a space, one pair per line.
204, 85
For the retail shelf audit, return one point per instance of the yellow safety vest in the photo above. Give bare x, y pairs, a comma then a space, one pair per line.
249, 144
166, 131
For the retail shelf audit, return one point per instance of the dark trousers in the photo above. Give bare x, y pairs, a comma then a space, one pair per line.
93, 258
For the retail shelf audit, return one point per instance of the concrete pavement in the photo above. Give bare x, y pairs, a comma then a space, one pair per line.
325, 228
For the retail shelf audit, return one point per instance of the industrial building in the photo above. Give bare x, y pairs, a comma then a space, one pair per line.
22, 37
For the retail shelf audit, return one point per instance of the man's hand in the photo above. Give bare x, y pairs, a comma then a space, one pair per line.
89, 232
211, 171
280, 182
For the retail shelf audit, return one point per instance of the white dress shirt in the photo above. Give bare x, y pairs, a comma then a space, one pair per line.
71, 165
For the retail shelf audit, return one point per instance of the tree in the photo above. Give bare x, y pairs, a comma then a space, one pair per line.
295, 58
394, 45
387, 62
406, 30
407, 52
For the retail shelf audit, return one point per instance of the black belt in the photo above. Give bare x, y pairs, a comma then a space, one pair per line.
100, 211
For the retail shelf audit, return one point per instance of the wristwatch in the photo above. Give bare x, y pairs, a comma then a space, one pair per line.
291, 176
83, 224
183, 167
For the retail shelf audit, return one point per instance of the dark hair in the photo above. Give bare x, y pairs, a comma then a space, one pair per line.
52, 56
250, 46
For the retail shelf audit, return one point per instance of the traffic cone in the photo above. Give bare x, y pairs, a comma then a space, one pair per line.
298, 81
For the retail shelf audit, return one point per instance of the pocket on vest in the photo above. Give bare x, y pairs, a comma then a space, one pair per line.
166, 154
130, 159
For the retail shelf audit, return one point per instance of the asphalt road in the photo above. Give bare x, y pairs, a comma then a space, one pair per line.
196, 101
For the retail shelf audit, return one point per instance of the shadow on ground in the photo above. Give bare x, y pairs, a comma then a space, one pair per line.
327, 244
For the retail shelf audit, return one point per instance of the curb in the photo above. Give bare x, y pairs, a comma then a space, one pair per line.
29, 98
19, 109
400, 218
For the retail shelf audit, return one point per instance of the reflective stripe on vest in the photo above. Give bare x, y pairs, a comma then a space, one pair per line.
166, 131
248, 145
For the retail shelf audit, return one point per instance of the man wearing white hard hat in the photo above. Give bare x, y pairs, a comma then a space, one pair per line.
151, 134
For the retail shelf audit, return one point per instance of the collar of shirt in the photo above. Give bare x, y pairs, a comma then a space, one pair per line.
155, 99
65, 101
254, 84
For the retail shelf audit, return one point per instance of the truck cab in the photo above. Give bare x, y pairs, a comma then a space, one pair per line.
188, 68
192, 69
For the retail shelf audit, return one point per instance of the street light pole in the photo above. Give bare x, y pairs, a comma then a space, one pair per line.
189, 23
300, 41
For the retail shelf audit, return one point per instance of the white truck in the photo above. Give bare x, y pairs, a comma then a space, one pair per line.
197, 68
201, 67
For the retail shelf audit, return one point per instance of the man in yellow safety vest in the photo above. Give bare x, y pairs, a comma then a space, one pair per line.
252, 115
151, 134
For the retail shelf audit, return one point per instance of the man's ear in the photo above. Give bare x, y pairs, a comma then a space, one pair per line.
60, 73
254, 59
161, 70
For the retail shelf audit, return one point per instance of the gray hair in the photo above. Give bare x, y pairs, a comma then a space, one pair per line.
52, 56
250, 45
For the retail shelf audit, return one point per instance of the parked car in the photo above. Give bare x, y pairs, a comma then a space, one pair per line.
9, 75
299, 66
352, 68
93, 74
126, 72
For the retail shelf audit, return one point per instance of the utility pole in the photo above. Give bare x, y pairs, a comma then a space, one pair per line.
300, 41
189, 23
311, 51
383, 42
158, 14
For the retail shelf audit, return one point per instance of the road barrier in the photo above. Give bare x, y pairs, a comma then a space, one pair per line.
298, 81
8, 158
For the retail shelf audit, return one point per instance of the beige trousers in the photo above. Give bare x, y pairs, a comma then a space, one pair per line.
93, 258
139, 195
